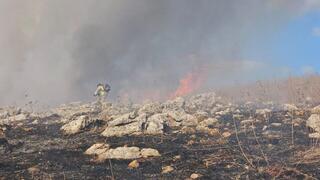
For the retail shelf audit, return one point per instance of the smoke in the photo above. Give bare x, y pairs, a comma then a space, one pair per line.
57, 51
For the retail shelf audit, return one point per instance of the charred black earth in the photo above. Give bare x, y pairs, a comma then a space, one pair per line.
237, 142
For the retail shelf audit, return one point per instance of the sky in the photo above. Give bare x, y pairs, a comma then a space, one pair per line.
295, 47
299, 43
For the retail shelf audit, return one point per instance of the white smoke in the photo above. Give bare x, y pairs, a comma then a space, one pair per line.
57, 51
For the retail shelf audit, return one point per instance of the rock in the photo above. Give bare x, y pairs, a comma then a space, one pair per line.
201, 115
316, 110
3, 139
206, 126
134, 164
223, 112
35, 122
97, 149
155, 124
19, 117
121, 153
208, 122
148, 152
269, 134
33, 170
188, 130
264, 112
167, 169
276, 124
176, 158
290, 107
178, 115
172, 122
189, 120
4, 115
315, 135
247, 122
314, 122
203, 102
72, 111
128, 129
13, 111
212, 132
76, 126
151, 109
226, 134
298, 122
124, 119
195, 176
174, 105
103, 152
237, 116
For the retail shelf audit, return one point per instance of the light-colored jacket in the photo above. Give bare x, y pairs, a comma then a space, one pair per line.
100, 91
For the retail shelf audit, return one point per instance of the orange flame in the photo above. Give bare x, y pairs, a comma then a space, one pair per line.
190, 83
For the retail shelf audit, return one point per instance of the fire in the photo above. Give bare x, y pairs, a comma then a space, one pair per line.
190, 83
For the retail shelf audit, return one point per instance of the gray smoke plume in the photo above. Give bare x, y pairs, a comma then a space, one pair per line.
57, 51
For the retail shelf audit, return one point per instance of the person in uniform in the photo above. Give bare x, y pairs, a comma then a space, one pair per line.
102, 92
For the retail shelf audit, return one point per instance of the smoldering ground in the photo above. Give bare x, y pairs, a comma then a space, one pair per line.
57, 51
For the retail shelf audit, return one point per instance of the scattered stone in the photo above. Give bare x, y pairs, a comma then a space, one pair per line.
129, 129
226, 134
104, 152
203, 102
35, 122
148, 152
178, 115
134, 164
167, 169
276, 124
189, 120
77, 125
208, 122
188, 130
315, 135
247, 122
33, 170
73, 110
121, 153
290, 107
151, 109
155, 124
316, 110
263, 112
124, 119
269, 134
176, 158
237, 116
201, 115
314, 122
223, 112
195, 176
298, 122
174, 105
4, 115
97, 149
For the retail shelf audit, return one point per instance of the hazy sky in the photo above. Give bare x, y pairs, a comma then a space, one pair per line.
57, 51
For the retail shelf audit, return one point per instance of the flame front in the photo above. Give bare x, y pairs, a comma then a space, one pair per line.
189, 84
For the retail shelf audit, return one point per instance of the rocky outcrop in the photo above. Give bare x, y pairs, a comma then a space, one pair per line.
103, 152
77, 125
97, 149
314, 123
128, 129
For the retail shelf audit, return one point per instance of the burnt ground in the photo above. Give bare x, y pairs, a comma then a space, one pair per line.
246, 154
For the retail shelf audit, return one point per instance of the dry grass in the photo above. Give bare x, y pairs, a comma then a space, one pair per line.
304, 89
